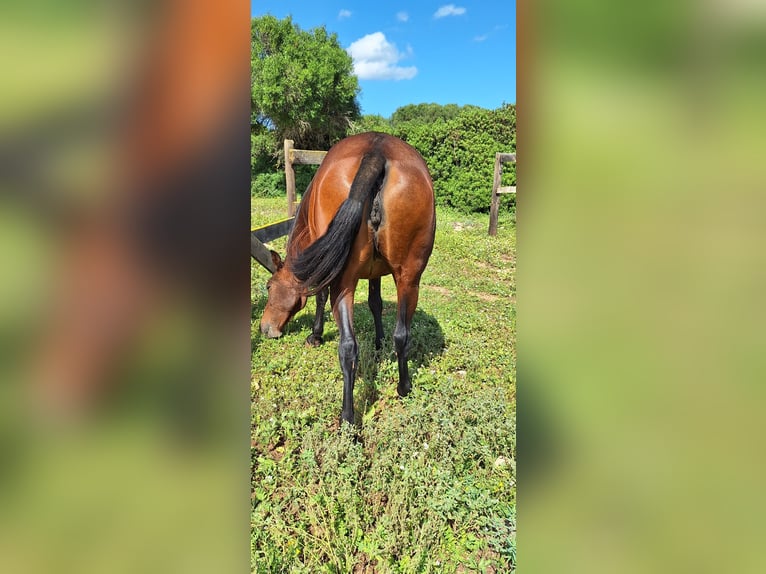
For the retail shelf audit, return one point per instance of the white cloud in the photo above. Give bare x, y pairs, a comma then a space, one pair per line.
481, 38
344, 14
402, 16
449, 10
375, 58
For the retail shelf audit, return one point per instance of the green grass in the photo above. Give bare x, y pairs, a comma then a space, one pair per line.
427, 483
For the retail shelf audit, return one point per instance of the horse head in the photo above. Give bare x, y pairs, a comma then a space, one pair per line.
286, 296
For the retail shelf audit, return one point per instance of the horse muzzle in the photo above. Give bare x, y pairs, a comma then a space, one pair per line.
270, 331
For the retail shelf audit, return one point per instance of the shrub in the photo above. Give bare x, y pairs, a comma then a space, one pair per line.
268, 184
460, 153
272, 184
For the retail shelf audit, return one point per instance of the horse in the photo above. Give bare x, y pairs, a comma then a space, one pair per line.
368, 212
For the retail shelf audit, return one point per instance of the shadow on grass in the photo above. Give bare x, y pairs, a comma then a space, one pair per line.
426, 342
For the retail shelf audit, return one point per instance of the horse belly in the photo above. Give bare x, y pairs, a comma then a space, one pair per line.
378, 268
365, 261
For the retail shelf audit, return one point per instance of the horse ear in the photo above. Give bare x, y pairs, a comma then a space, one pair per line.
276, 260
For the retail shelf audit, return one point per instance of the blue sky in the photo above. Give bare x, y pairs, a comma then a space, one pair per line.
413, 52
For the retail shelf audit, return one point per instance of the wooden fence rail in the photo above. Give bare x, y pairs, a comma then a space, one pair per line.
498, 190
294, 157
261, 235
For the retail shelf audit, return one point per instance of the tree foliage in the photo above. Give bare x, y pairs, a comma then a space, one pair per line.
426, 113
302, 86
371, 123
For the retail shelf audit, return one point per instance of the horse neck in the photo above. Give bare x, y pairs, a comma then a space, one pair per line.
299, 237
297, 241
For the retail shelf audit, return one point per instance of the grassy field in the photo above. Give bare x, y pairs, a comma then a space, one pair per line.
428, 482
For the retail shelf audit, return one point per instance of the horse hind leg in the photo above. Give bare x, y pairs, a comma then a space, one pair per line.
407, 296
315, 339
375, 302
348, 352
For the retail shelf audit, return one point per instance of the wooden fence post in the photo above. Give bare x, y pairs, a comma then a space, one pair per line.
289, 178
497, 190
297, 157
495, 205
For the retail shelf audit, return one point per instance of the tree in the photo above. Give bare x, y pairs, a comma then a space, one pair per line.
302, 84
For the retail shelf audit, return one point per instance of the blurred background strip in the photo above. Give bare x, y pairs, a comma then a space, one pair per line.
124, 298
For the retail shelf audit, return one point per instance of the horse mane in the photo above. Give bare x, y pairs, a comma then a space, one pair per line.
300, 228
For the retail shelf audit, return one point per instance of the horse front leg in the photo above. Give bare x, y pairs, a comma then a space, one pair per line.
375, 302
348, 352
315, 339
407, 295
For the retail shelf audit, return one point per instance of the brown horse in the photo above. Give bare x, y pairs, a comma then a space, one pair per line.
368, 212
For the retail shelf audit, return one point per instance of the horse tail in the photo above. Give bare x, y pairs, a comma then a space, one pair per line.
321, 262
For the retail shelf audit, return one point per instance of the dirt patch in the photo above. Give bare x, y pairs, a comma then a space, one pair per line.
277, 450
507, 262
316, 531
485, 265
365, 565
486, 296
461, 225
377, 499
441, 290
490, 558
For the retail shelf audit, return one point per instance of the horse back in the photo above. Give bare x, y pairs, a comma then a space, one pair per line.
398, 228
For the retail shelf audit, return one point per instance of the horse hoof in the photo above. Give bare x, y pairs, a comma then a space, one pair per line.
345, 419
314, 340
403, 391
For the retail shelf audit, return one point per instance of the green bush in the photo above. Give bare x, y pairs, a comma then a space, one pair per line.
272, 184
460, 153
263, 145
268, 184
458, 144
371, 123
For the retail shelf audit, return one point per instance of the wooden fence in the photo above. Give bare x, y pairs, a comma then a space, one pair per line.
261, 235
498, 190
294, 157
266, 233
